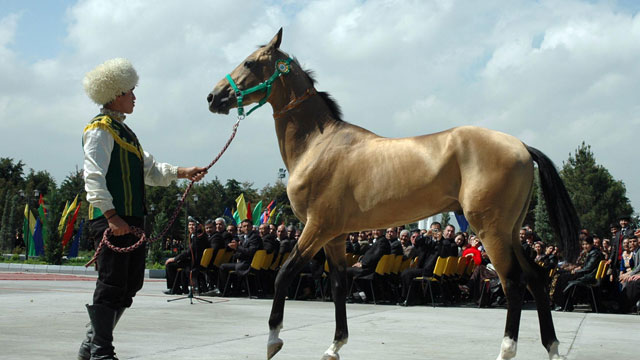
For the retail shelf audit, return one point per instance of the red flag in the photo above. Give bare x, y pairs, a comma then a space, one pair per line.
249, 215
41, 203
69, 231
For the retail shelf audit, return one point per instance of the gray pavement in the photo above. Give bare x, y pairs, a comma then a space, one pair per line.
45, 319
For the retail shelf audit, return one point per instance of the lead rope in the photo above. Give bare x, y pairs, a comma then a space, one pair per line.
139, 232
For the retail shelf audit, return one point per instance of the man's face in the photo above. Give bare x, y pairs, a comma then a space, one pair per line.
272, 229
209, 228
219, 226
262, 230
614, 230
538, 248
404, 238
448, 232
633, 244
586, 246
436, 233
624, 223
414, 236
390, 234
281, 232
124, 103
192, 227
246, 227
523, 234
459, 240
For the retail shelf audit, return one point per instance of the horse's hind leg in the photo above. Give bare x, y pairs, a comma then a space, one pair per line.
536, 284
335, 251
308, 245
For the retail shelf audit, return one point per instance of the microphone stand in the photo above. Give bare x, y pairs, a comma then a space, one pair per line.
190, 295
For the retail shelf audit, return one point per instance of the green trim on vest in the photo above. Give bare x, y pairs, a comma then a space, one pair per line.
125, 175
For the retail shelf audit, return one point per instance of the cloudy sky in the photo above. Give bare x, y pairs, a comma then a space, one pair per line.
553, 73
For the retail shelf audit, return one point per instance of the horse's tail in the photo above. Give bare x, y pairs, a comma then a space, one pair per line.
562, 214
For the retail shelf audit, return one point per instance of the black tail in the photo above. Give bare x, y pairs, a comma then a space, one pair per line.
562, 214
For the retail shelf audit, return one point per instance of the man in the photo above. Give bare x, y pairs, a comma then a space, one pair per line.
396, 246
369, 261
526, 240
233, 230
269, 241
286, 244
447, 245
619, 233
116, 169
245, 248
186, 260
583, 275
408, 243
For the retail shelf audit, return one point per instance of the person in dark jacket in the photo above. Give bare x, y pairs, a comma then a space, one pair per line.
198, 242
396, 246
370, 259
269, 241
245, 248
584, 275
286, 244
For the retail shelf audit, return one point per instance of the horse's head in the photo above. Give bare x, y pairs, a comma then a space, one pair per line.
250, 82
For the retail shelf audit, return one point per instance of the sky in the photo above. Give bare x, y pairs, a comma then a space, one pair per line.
552, 73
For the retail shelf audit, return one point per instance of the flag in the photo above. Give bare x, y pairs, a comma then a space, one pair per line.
63, 218
241, 205
462, 222
236, 218
277, 217
249, 213
67, 210
227, 214
44, 231
264, 217
69, 232
27, 231
75, 244
257, 210
271, 214
38, 240
41, 202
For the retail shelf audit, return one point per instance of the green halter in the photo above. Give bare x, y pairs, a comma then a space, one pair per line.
282, 67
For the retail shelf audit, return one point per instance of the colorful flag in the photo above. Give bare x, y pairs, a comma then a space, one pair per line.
69, 231
38, 240
241, 205
75, 244
67, 210
41, 202
27, 231
257, 210
236, 217
249, 213
462, 222
271, 214
44, 231
227, 214
264, 217
277, 217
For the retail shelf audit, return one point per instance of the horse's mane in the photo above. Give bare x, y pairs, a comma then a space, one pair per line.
334, 108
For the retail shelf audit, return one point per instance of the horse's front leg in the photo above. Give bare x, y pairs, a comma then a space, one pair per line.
335, 251
307, 246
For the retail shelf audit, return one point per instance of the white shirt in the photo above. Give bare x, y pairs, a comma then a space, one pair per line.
98, 145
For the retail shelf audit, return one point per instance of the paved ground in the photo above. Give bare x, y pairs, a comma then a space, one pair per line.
43, 317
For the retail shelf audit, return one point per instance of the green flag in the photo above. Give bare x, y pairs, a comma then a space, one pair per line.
27, 231
257, 211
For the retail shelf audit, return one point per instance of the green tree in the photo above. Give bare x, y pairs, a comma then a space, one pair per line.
156, 250
542, 226
446, 218
12, 172
53, 245
598, 198
5, 226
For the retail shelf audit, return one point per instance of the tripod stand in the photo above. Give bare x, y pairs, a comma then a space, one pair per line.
190, 295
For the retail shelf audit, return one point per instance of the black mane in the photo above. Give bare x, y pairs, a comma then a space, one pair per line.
334, 108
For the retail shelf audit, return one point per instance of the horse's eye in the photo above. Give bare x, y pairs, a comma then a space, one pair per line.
249, 64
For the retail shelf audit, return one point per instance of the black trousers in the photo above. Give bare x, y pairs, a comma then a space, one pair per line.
120, 275
180, 282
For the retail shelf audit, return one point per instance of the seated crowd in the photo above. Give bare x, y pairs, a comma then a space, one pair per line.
419, 252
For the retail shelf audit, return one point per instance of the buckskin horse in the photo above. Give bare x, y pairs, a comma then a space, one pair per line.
343, 178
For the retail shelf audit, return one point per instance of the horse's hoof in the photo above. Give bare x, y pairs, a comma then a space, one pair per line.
330, 356
557, 357
274, 347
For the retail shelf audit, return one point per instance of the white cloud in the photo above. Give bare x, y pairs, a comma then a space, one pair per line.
551, 73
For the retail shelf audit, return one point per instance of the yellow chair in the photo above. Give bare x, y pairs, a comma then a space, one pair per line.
382, 268
256, 265
603, 266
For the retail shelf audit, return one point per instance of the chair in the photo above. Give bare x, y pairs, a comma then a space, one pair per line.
303, 275
602, 270
207, 255
256, 265
438, 271
382, 268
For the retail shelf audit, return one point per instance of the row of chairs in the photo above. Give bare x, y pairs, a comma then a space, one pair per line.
449, 271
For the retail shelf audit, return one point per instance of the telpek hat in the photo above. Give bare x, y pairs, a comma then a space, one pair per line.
110, 79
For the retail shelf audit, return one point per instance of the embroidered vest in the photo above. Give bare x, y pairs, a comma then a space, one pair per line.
125, 175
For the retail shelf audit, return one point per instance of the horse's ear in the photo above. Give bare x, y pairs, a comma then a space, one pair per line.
275, 42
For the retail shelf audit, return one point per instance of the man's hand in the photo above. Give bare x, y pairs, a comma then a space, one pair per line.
193, 173
233, 244
169, 260
118, 226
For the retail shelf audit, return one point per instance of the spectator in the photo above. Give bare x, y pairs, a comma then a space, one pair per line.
369, 261
269, 241
473, 250
447, 242
540, 249
407, 243
626, 261
364, 243
606, 248
233, 230
192, 256
352, 244
245, 248
580, 275
286, 244
396, 246
461, 242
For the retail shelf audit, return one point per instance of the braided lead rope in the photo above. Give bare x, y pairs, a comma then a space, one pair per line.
139, 232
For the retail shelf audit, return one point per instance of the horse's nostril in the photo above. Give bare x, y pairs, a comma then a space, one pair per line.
209, 98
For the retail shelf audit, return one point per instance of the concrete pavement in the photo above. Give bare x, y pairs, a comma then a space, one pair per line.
45, 319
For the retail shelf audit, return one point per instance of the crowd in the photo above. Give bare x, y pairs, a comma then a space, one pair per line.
619, 290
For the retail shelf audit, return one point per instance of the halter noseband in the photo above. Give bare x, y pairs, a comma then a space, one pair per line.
282, 67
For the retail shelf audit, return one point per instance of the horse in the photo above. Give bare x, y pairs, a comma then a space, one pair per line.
344, 178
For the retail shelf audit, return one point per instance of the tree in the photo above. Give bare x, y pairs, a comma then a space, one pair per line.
542, 225
156, 247
4, 227
12, 172
53, 244
598, 198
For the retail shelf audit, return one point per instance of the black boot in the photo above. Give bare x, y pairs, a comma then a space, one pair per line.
103, 320
85, 348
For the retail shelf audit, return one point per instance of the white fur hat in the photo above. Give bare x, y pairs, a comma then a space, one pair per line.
109, 80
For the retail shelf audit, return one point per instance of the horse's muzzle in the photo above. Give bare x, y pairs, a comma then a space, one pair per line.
219, 102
